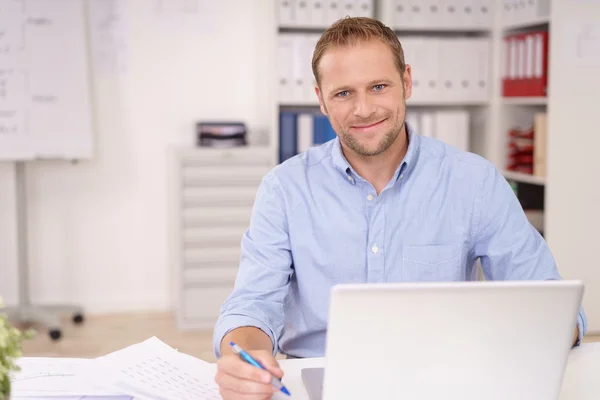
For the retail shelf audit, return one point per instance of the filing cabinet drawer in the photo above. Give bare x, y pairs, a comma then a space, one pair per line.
219, 176
195, 277
213, 236
212, 197
237, 216
234, 156
208, 257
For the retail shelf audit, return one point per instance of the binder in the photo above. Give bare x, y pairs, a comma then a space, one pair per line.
299, 61
428, 124
539, 86
305, 131
480, 83
323, 131
285, 13
413, 119
309, 79
430, 63
302, 14
317, 11
348, 8
401, 12
287, 135
452, 127
527, 62
364, 8
334, 10
285, 52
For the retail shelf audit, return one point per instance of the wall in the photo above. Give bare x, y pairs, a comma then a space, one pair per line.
98, 230
572, 193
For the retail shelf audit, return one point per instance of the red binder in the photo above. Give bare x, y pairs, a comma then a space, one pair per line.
526, 72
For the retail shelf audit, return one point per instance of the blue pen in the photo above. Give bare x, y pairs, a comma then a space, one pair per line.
248, 358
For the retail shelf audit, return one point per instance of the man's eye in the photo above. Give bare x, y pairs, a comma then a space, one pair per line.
343, 93
379, 87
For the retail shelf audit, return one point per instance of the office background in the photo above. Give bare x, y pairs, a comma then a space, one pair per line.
110, 233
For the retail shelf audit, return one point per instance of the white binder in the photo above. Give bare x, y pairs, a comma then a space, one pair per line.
285, 53
364, 8
302, 14
317, 11
401, 14
309, 79
285, 13
305, 135
428, 127
298, 94
482, 84
430, 63
452, 127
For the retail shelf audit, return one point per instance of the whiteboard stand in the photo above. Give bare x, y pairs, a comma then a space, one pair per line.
25, 312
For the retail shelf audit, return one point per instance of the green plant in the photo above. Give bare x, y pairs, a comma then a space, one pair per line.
10, 350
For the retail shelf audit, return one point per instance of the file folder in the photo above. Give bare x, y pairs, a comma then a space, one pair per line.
527, 62
285, 13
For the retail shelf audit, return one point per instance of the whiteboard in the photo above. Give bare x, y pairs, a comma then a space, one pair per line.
45, 101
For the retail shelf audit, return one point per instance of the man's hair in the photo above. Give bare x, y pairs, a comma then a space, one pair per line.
350, 30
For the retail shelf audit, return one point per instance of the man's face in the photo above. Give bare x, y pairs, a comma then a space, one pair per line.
364, 95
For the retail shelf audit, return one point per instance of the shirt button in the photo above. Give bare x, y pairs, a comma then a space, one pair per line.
370, 197
401, 176
374, 249
349, 178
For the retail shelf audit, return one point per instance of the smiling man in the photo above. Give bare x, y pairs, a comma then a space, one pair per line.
377, 204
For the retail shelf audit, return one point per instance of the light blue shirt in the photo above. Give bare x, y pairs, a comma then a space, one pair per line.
317, 223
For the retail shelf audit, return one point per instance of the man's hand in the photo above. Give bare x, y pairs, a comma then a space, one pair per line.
239, 380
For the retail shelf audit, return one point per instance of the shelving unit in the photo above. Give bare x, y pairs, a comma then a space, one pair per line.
489, 120
525, 101
524, 178
447, 32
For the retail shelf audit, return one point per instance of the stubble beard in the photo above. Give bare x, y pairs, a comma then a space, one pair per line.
385, 143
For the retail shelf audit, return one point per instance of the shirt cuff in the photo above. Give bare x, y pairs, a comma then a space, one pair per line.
231, 322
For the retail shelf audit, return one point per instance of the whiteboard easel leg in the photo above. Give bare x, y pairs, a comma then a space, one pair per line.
49, 315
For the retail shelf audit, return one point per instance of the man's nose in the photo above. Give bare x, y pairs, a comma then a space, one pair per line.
363, 106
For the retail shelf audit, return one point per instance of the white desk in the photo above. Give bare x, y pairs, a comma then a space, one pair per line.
581, 380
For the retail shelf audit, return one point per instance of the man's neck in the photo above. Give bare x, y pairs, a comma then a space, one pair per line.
379, 170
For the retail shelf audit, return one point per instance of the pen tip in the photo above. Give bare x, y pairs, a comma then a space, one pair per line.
284, 390
231, 344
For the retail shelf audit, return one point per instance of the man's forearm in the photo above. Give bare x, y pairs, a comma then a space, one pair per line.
248, 337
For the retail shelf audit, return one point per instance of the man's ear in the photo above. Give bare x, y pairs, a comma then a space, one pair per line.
320, 97
407, 82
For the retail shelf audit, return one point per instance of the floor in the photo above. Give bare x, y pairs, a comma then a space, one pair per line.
102, 334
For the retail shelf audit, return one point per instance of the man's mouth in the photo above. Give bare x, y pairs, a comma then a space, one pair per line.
367, 127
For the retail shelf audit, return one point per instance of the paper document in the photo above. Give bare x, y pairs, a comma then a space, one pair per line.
154, 370
56, 378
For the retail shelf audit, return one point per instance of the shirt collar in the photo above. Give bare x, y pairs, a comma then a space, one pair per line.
341, 163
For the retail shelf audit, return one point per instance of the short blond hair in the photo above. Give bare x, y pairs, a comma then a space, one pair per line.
350, 30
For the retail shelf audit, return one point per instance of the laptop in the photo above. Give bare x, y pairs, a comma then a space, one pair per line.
454, 341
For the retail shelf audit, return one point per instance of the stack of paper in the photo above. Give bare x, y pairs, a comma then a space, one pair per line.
148, 370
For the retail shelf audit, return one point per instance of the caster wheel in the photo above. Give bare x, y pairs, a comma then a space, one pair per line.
78, 318
55, 334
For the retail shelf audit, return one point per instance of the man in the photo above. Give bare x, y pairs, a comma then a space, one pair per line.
377, 204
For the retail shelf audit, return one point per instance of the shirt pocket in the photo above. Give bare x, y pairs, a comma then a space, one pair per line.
431, 263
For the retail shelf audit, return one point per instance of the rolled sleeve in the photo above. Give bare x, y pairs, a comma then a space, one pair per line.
265, 269
230, 322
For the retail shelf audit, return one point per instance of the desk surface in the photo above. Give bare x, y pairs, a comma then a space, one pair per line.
581, 380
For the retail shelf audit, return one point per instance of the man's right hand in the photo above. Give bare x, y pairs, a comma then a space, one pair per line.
239, 380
